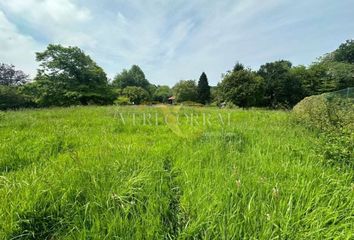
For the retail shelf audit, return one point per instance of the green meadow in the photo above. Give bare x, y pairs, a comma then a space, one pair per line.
168, 173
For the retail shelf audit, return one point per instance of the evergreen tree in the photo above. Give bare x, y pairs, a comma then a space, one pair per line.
203, 89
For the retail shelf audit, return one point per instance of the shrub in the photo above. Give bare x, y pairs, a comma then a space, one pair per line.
122, 101
230, 105
338, 146
136, 95
312, 111
214, 104
332, 115
325, 112
10, 98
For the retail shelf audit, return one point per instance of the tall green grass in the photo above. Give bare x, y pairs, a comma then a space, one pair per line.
81, 173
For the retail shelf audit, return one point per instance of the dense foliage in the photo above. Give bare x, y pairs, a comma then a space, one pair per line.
242, 87
11, 97
203, 89
345, 52
332, 115
186, 90
9, 76
11, 81
162, 93
132, 77
136, 95
282, 88
285, 84
67, 76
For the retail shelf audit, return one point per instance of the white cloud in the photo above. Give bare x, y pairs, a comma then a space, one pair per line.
173, 40
167, 38
15, 48
47, 12
56, 20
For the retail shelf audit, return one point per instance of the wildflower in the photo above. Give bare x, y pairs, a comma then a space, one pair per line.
275, 192
263, 179
235, 170
238, 183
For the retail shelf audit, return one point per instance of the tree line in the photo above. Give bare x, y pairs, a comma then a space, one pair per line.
67, 76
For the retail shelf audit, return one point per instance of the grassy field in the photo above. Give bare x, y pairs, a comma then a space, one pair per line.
106, 173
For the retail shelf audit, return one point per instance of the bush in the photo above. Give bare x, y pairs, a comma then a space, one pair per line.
338, 146
214, 104
332, 115
136, 95
313, 112
10, 98
122, 101
230, 105
325, 112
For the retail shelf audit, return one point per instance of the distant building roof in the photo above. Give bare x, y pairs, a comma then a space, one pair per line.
172, 98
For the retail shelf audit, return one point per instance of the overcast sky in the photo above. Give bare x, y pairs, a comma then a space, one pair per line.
175, 39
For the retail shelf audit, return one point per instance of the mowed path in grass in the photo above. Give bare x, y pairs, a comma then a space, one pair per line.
91, 173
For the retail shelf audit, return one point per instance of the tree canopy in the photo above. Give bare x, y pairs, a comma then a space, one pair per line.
132, 77
185, 90
242, 87
68, 76
345, 52
9, 76
136, 95
281, 88
11, 81
162, 93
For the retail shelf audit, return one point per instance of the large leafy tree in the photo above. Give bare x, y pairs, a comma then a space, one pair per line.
342, 74
345, 52
136, 95
335, 70
322, 77
68, 76
132, 77
11, 98
281, 87
203, 89
9, 76
162, 93
242, 87
309, 83
11, 81
185, 90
